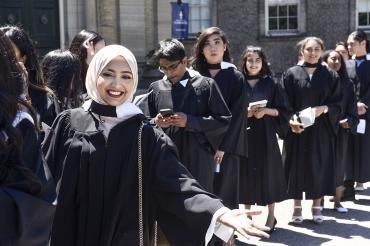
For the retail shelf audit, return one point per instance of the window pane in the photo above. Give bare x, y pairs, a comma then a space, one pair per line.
362, 19
362, 5
204, 13
204, 24
283, 23
194, 27
205, 2
292, 10
272, 11
273, 24
194, 13
283, 11
191, 2
293, 23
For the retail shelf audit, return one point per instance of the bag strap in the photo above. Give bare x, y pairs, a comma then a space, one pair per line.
140, 185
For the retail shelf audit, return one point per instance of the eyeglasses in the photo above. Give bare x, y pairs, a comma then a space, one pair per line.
170, 67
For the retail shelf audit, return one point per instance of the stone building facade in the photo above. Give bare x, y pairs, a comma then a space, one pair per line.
331, 20
275, 25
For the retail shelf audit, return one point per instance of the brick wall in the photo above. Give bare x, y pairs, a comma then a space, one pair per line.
243, 22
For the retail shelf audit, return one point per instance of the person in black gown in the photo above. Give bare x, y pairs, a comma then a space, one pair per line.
105, 197
348, 121
61, 70
342, 49
211, 58
39, 94
262, 178
314, 97
359, 72
84, 46
21, 209
200, 117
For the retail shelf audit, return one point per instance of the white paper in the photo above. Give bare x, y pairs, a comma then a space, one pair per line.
361, 126
217, 167
140, 98
258, 104
307, 117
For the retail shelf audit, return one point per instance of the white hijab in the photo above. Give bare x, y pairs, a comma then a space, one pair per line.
98, 63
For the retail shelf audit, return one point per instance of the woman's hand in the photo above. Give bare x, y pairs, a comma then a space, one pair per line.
162, 121
219, 156
344, 125
251, 111
319, 110
179, 119
259, 113
361, 108
295, 125
238, 220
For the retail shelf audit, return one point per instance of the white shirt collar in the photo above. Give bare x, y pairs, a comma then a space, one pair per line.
226, 65
124, 111
184, 82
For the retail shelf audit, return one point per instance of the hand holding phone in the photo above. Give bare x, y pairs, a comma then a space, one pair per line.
166, 112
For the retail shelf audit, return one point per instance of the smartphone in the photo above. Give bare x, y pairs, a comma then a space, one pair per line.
166, 112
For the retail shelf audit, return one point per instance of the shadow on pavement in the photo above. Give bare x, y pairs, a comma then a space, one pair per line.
353, 214
289, 237
333, 228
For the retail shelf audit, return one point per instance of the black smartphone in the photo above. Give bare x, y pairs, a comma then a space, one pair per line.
166, 112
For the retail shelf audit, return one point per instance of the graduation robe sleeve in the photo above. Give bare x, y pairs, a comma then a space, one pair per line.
333, 102
216, 122
279, 102
25, 218
235, 139
349, 110
184, 208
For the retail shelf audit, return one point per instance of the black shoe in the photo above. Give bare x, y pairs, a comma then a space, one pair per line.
273, 227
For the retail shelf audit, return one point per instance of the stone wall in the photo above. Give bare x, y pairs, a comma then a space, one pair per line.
243, 22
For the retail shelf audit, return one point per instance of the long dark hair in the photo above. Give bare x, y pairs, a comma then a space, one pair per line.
198, 61
360, 36
61, 72
11, 87
265, 70
342, 72
78, 49
21, 39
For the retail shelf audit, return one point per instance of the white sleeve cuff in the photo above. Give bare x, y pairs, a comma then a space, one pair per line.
220, 230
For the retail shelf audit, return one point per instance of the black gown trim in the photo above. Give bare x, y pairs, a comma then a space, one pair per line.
361, 58
310, 65
103, 110
213, 66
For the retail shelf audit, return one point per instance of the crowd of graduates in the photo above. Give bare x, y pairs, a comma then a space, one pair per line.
188, 157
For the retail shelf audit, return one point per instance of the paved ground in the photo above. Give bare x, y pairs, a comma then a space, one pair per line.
352, 228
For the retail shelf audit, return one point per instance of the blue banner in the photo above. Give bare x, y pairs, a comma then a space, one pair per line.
180, 20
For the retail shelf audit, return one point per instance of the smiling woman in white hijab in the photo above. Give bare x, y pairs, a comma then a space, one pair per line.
105, 196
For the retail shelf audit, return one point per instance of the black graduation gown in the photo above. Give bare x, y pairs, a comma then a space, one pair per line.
360, 75
310, 156
208, 119
262, 176
97, 185
234, 143
31, 147
344, 150
25, 218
